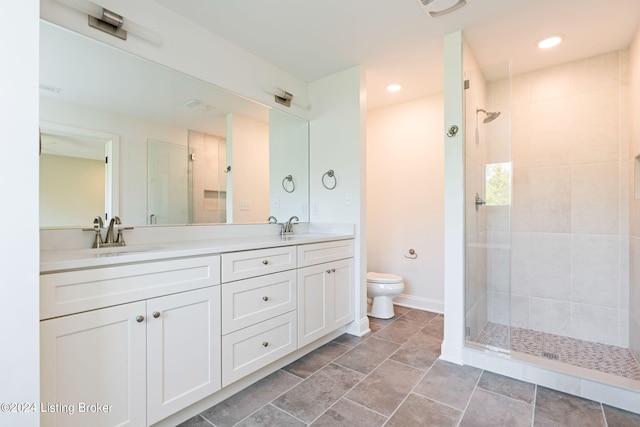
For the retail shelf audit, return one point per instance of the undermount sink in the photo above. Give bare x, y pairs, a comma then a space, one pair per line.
122, 250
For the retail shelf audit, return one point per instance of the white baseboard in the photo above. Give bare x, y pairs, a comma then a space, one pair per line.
358, 327
419, 303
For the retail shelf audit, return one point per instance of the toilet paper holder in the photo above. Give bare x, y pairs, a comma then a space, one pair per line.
412, 254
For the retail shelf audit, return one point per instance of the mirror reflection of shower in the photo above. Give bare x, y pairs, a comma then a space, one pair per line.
490, 116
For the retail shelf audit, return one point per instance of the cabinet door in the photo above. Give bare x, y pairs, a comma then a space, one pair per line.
342, 282
183, 350
313, 295
94, 358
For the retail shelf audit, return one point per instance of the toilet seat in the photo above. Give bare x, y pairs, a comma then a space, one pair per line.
374, 277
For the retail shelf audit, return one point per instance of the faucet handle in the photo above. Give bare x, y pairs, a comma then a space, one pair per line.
97, 242
120, 237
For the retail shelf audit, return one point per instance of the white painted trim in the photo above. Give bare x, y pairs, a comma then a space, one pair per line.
420, 303
359, 327
453, 354
454, 181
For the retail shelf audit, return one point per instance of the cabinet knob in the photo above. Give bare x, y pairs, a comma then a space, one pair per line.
333, 270
265, 298
328, 271
139, 319
265, 262
156, 314
265, 344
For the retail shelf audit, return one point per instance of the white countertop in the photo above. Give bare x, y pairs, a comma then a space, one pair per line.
70, 259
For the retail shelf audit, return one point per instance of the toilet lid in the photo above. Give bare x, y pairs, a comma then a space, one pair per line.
383, 278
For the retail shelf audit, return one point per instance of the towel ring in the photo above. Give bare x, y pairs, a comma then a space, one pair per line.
330, 174
293, 184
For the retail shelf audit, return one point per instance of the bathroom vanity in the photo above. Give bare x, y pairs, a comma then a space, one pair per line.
133, 335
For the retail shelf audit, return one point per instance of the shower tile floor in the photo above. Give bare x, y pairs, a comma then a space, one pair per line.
392, 377
585, 354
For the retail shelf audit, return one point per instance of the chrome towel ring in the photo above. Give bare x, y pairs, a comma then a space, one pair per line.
293, 184
329, 174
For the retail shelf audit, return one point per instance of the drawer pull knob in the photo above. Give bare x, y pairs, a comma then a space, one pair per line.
139, 319
265, 298
328, 271
156, 314
265, 344
333, 270
265, 262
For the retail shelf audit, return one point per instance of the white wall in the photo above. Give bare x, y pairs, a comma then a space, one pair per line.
453, 343
337, 142
19, 252
66, 200
288, 139
405, 195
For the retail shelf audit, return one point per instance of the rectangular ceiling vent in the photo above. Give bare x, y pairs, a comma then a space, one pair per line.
49, 88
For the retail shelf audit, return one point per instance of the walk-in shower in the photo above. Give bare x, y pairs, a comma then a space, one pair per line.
547, 249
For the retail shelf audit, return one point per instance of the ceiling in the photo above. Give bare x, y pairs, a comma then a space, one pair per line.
395, 41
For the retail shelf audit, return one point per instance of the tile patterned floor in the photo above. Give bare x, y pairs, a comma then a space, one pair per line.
392, 377
586, 354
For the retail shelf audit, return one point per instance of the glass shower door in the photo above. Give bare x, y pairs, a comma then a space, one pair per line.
167, 183
488, 177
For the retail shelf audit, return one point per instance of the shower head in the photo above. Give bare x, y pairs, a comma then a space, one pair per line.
491, 115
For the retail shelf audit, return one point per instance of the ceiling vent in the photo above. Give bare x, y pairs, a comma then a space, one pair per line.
428, 8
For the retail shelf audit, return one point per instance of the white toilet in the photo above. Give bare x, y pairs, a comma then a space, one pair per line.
381, 288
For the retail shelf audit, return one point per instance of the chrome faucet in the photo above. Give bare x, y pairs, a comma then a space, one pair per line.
110, 239
287, 227
272, 220
98, 225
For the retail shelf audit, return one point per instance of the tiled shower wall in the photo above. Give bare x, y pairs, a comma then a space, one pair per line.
633, 126
569, 224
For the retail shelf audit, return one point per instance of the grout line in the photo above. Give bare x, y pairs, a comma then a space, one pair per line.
535, 403
604, 416
410, 393
206, 420
475, 387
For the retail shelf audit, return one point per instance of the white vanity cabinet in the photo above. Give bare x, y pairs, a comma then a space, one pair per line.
136, 362
259, 322
325, 288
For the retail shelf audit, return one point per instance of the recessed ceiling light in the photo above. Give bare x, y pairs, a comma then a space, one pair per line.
550, 42
394, 87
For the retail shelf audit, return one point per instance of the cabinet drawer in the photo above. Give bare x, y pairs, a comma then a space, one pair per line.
317, 253
242, 265
250, 301
82, 290
252, 348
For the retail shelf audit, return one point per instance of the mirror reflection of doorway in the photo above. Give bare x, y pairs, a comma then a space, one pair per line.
76, 176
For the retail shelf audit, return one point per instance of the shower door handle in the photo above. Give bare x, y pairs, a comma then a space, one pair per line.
479, 201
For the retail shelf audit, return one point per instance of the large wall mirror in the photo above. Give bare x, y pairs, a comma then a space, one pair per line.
180, 150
